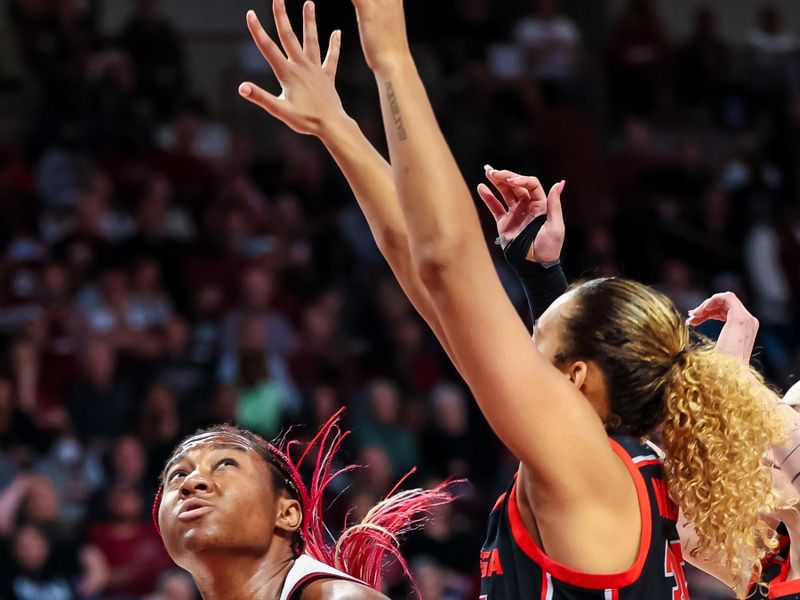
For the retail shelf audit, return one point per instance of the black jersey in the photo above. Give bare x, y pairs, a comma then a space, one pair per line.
513, 567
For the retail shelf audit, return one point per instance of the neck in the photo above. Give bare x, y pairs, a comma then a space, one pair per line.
243, 576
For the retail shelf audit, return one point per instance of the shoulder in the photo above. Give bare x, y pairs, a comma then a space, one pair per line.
339, 589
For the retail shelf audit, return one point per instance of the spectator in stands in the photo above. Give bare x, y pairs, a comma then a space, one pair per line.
130, 544
160, 427
157, 52
552, 46
380, 426
185, 376
771, 51
77, 473
448, 445
703, 63
37, 568
258, 288
638, 48
100, 405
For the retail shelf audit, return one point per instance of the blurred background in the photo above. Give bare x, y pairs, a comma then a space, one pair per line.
170, 257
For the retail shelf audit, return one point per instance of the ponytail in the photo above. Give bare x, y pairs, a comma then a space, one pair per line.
720, 421
363, 548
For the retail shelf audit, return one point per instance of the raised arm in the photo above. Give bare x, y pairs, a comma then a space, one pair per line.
737, 339
532, 406
309, 104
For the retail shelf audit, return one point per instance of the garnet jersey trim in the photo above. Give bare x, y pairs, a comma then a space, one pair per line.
587, 580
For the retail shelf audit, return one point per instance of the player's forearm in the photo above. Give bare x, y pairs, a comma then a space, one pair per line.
441, 221
371, 180
787, 456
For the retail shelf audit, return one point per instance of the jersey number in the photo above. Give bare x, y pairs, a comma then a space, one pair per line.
673, 567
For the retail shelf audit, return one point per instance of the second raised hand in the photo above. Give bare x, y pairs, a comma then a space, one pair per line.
308, 102
526, 200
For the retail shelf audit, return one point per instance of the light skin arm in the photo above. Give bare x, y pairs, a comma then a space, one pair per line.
736, 339
531, 405
309, 104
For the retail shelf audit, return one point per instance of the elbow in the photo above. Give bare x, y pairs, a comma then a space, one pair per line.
433, 263
393, 241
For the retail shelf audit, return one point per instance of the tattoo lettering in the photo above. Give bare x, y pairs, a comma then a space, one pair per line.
396, 116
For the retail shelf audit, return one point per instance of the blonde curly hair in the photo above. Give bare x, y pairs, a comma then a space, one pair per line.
718, 419
720, 422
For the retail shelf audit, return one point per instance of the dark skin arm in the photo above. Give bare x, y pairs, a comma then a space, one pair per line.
339, 589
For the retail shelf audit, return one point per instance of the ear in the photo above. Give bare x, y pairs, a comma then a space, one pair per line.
290, 515
577, 373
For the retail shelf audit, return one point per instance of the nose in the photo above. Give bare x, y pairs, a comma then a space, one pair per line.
196, 483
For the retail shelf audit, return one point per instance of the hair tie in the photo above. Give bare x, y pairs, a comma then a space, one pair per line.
679, 356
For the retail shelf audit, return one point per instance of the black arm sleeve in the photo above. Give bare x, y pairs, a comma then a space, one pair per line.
542, 285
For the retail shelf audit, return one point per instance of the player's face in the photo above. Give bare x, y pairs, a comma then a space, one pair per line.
218, 495
549, 337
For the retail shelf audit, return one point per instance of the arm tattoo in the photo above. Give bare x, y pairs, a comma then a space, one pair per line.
396, 116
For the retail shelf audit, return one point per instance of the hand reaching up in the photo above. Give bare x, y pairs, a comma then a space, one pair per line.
308, 102
738, 335
525, 200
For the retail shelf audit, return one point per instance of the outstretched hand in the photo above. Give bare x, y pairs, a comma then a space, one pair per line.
738, 335
308, 100
525, 200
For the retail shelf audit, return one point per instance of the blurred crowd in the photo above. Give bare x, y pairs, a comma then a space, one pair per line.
164, 268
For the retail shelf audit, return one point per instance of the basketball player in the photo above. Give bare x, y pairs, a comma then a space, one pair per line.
233, 512
523, 239
585, 518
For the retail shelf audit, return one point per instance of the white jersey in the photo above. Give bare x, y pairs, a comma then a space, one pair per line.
305, 570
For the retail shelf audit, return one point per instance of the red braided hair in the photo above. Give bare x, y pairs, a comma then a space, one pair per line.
362, 549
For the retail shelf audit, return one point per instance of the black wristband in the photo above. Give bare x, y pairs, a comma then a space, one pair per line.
542, 285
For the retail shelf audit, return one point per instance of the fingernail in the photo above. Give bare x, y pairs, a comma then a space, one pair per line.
245, 89
487, 168
251, 14
311, 7
561, 186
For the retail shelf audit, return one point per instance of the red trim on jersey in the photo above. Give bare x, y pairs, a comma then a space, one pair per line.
526, 543
779, 587
615, 594
787, 588
500, 501
647, 463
